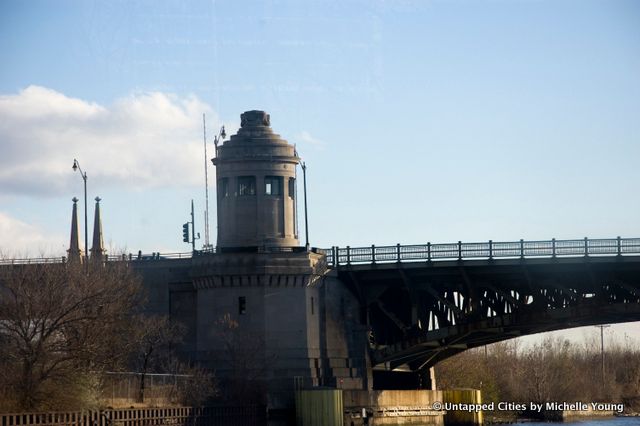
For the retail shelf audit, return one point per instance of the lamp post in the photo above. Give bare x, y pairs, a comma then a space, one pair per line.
306, 220
76, 166
221, 135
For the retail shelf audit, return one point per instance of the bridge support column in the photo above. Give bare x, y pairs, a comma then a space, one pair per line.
427, 378
432, 376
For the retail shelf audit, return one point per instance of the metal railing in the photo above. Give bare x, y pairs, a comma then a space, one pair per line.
109, 258
410, 253
134, 257
479, 250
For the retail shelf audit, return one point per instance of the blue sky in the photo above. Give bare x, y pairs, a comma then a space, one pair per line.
419, 120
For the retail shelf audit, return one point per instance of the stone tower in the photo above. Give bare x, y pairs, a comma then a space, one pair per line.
97, 249
256, 180
75, 253
292, 322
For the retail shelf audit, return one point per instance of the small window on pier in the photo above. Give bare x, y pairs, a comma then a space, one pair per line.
246, 185
224, 187
292, 187
242, 305
273, 185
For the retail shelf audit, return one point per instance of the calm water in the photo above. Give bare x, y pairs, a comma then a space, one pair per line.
616, 421
612, 421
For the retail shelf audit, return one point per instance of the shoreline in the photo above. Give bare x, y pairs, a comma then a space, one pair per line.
556, 417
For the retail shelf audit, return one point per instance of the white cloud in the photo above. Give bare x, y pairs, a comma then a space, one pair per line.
145, 140
305, 138
20, 240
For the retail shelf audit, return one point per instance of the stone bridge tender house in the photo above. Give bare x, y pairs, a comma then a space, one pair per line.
308, 323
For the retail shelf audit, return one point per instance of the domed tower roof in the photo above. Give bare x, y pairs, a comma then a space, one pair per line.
254, 139
256, 172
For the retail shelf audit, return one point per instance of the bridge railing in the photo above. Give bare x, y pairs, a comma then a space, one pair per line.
143, 257
478, 250
33, 260
108, 258
415, 252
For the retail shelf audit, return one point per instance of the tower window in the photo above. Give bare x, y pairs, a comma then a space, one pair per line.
224, 187
242, 305
292, 187
273, 185
246, 185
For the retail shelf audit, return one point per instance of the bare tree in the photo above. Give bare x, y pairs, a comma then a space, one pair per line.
59, 327
468, 369
153, 339
196, 386
243, 357
554, 369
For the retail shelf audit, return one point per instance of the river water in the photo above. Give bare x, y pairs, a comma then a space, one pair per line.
615, 421
610, 421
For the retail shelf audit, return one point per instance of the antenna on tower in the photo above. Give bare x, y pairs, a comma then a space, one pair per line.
206, 186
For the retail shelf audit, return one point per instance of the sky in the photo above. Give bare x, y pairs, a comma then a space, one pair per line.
418, 120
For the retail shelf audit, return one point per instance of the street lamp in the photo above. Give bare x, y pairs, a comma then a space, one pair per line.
76, 166
221, 135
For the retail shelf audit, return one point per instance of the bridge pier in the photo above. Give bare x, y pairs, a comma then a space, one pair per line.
289, 318
404, 380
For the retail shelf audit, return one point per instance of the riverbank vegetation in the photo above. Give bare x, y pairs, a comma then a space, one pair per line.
554, 369
66, 328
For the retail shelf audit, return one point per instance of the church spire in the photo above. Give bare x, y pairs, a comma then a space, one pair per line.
97, 249
75, 254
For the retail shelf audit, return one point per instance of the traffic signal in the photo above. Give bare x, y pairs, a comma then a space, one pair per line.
185, 232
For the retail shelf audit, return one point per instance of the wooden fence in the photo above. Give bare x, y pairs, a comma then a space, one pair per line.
173, 416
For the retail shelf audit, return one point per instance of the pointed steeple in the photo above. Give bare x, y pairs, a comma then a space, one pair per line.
97, 249
75, 254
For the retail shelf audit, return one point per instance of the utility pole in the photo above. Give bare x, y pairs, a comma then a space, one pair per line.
602, 327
